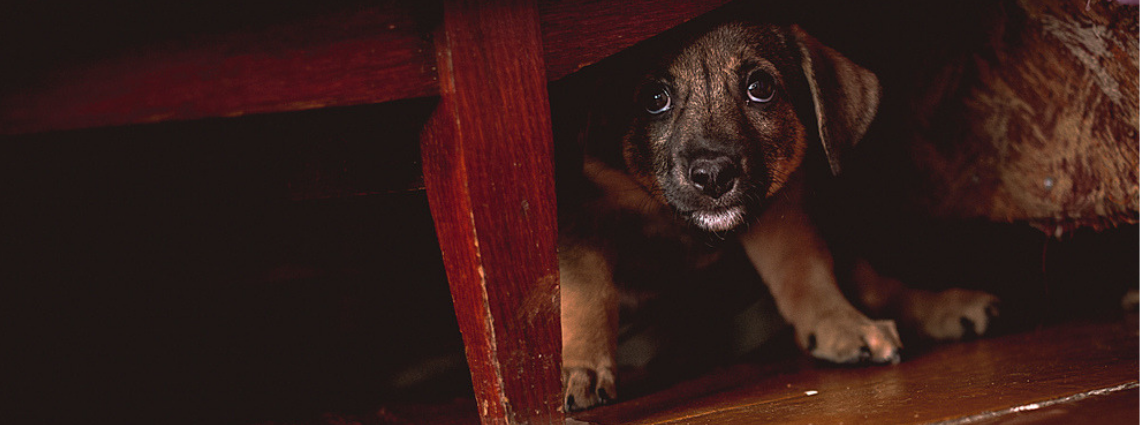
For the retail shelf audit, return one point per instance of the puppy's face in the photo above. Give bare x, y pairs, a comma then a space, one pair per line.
716, 131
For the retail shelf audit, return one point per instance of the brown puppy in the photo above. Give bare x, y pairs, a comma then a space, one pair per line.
716, 141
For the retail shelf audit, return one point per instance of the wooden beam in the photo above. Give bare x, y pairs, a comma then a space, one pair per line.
370, 55
487, 155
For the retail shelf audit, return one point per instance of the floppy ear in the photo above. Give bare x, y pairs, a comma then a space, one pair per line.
845, 95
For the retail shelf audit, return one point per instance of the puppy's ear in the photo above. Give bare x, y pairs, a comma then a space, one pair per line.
845, 95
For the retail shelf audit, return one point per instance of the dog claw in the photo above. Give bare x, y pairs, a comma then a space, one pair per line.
586, 387
957, 314
850, 338
992, 310
969, 330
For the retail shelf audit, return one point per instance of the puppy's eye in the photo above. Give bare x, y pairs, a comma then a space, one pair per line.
761, 87
655, 98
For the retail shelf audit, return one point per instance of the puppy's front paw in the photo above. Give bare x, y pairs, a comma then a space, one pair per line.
586, 387
954, 314
850, 337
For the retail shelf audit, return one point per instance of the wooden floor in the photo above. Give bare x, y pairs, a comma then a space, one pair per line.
1084, 372
1059, 374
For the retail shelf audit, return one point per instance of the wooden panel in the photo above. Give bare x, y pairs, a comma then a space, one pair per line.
950, 383
370, 55
489, 176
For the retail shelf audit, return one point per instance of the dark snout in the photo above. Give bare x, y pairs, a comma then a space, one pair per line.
711, 190
709, 187
714, 175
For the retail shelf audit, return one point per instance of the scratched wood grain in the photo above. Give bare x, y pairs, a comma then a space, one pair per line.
487, 155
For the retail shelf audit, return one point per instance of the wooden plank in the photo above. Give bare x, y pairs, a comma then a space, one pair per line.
1108, 406
370, 55
951, 382
488, 169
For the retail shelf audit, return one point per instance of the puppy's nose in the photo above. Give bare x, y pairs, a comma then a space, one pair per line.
713, 176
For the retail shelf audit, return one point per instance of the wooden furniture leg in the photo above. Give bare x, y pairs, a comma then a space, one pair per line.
487, 159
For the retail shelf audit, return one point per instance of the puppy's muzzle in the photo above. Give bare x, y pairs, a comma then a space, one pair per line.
714, 175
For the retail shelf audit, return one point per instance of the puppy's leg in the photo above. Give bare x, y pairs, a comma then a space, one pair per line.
948, 315
589, 327
797, 267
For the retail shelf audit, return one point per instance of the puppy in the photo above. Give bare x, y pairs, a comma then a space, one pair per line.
717, 140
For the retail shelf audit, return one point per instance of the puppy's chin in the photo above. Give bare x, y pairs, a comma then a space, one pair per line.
718, 220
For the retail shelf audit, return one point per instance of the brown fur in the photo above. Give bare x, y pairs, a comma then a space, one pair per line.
653, 209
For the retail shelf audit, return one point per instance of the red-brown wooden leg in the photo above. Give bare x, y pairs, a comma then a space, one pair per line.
488, 169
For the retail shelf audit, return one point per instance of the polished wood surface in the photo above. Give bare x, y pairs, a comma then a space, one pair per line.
1116, 407
950, 383
489, 175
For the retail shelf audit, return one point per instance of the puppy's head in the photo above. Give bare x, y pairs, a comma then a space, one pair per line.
721, 126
